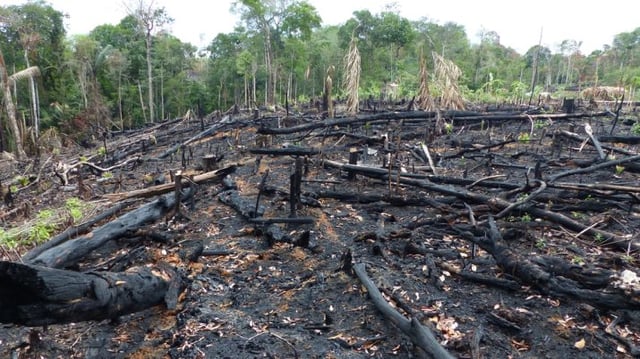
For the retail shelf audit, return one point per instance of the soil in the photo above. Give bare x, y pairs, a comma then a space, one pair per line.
252, 296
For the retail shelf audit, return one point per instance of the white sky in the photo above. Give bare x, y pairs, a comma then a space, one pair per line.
517, 22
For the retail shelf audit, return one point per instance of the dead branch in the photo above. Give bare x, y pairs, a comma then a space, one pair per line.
211, 130
420, 336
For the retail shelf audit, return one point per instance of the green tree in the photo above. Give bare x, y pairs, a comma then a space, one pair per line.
151, 19
33, 35
223, 76
273, 20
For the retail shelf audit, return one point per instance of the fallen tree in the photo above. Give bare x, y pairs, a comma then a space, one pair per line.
34, 295
68, 253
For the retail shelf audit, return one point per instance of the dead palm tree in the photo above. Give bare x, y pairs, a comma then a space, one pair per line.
447, 77
425, 100
352, 76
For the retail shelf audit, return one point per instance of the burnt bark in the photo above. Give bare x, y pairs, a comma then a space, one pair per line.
34, 295
70, 252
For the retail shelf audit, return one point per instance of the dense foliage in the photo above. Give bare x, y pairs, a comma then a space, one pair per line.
279, 52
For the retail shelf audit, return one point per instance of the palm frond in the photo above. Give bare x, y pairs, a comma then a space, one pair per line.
425, 101
447, 76
29, 72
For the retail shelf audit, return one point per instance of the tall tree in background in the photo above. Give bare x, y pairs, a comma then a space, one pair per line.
570, 48
151, 18
33, 35
272, 19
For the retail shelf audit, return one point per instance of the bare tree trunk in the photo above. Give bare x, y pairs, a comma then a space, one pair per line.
120, 100
34, 96
162, 94
149, 76
144, 112
10, 108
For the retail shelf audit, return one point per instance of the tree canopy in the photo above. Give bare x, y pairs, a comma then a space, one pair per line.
116, 76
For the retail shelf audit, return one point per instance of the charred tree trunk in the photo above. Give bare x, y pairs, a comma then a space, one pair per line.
34, 295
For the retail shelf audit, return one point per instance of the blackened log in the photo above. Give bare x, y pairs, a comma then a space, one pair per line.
457, 117
304, 199
70, 252
420, 336
346, 121
34, 295
287, 151
73, 231
242, 205
550, 278
296, 220
629, 140
394, 200
608, 238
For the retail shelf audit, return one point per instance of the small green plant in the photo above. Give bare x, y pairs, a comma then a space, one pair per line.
102, 151
75, 207
13, 188
577, 260
627, 258
22, 180
619, 169
448, 127
39, 233
598, 237
83, 159
635, 129
578, 215
525, 218
107, 175
8, 238
540, 124
43, 228
541, 243
523, 137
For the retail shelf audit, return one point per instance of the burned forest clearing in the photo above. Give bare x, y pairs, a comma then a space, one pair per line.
485, 233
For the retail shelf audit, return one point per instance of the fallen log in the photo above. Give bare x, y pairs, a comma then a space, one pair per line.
70, 252
286, 151
34, 295
211, 130
168, 187
420, 336
624, 242
556, 278
73, 231
457, 117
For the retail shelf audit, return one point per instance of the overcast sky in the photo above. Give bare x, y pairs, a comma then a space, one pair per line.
518, 23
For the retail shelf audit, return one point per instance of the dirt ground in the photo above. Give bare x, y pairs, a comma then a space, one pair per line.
250, 297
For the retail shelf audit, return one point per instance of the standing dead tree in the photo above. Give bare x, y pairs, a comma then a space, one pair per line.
10, 108
352, 76
327, 101
447, 76
425, 100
